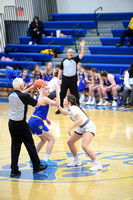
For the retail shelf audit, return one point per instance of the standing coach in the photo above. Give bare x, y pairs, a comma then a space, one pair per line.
19, 129
69, 78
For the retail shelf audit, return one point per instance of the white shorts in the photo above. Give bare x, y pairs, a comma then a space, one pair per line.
89, 127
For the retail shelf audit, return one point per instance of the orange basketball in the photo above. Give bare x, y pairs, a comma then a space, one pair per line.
39, 83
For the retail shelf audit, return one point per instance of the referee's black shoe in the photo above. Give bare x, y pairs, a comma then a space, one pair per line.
57, 112
41, 168
15, 173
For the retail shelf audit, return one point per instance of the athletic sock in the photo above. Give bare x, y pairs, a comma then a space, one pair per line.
47, 157
76, 158
95, 162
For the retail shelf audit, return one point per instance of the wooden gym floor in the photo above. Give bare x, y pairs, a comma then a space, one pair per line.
113, 146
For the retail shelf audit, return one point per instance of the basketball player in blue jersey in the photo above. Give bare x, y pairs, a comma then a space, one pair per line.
81, 82
110, 83
88, 78
85, 130
39, 128
95, 87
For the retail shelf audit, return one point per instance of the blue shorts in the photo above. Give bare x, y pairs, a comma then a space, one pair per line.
82, 85
37, 126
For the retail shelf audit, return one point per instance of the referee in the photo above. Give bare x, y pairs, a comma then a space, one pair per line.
69, 78
19, 129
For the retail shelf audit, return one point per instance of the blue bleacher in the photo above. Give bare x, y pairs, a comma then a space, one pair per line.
69, 24
36, 48
125, 23
47, 40
117, 32
22, 64
113, 41
120, 59
87, 16
34, 56
111, 50
111, 68
78, 32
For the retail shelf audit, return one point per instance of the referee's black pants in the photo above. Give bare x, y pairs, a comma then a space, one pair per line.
20, 132
71, 83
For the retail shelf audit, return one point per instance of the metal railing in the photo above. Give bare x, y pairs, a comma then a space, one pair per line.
96, 17
53, 41
74, 35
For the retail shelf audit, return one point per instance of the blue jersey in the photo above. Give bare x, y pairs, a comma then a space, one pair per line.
26, 80
81, 75
41, 111
38, 76
48, 77
96, 79
89, 78
117, 79
36, 120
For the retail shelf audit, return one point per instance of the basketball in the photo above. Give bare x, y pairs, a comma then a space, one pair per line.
39, 83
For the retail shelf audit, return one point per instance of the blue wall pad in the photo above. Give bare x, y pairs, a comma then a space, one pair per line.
117, 32
111, 68
87, 16
36, 48
47, 40
34, 56
111, 50
68, 24
107, 59
112, 41
125, 23
22, 64
78, 32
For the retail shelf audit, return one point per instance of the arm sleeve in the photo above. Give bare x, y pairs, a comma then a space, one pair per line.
76, 59
28, 100
126, 79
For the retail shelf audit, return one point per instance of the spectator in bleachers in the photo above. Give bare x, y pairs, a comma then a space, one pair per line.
48, 73
37, 73
127, 33
110, 83
128, 88
36, 30
81, 82
95, 87
88, 78
56, 69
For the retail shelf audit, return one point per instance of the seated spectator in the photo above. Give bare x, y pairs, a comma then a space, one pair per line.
25, 78
128, 88
110, 83
95, 87
48, 73
128, 32
35, 30
56, 69
37, 73
88, 77
81, 82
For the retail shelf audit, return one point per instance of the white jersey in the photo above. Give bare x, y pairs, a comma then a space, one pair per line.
73, 111
86, 125
51, 84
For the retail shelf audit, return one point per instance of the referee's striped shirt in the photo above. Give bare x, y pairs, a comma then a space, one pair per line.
18, 105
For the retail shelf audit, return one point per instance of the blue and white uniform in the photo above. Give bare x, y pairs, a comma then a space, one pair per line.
117, 80
36, 120
86, 125
48, 77
38, 76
